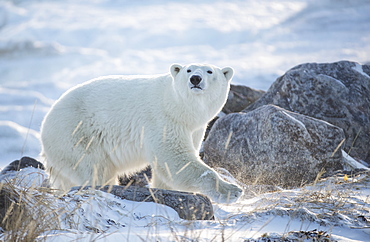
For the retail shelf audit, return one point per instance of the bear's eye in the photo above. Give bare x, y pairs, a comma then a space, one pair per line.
209, 72
188, 70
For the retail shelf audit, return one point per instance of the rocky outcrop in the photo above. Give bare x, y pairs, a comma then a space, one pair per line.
240, 97
7, 198
25, 213
188, 205
338, 93
270, 145
23, 163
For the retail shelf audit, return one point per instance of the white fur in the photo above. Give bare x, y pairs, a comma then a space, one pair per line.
120, 124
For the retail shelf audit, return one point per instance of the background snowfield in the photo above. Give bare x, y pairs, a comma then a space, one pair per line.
47, 47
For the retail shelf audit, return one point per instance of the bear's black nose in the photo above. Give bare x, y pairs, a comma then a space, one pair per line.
195, 80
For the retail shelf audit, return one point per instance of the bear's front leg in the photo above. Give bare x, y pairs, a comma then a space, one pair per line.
176, 164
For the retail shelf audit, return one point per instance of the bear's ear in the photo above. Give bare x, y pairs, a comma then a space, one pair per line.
228, 72
175, 69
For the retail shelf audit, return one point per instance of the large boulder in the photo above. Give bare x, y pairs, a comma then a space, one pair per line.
338, 93
271, 145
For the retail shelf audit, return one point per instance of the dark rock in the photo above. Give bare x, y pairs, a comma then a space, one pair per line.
241, 97
208, 129
189, 206
338, 93
6, 199
293, 236
273, 146
24, 162
25, 213
13, 205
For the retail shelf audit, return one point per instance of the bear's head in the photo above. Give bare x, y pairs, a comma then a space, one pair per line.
201, 89
198, 79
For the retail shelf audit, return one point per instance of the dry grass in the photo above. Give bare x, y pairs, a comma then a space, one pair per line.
26, 213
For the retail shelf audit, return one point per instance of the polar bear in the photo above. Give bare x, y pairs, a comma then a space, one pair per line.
120, 124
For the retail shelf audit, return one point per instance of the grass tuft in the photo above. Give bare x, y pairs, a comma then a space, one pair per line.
26, 213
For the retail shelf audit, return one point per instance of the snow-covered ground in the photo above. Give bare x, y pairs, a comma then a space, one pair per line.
47, 47
336, 207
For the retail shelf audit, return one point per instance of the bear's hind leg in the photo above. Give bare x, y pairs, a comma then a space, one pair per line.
159, 183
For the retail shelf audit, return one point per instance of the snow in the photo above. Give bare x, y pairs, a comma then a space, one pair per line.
16, 139
359, 69
352, 163
47, 47
333, 205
